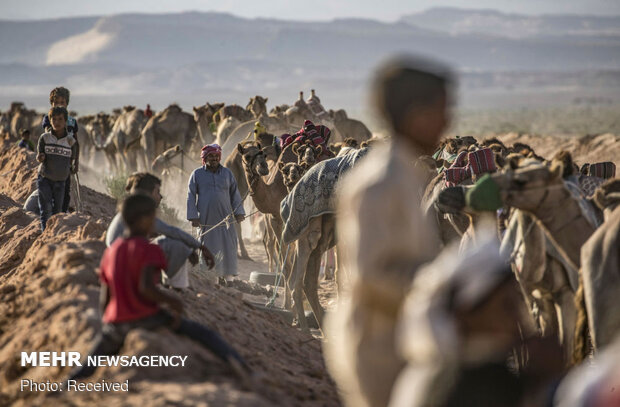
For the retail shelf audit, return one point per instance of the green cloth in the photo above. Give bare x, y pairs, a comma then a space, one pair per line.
484, 195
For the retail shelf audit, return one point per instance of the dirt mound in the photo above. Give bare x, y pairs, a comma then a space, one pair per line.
18, 177
49, 290
585, 149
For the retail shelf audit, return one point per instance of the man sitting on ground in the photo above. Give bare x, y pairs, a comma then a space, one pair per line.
178, 246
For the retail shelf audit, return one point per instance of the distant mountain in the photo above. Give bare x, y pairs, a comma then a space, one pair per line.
461, 21
193, 57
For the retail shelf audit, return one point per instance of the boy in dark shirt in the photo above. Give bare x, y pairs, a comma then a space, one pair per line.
25, 141
129, 298
57, 153
59, 97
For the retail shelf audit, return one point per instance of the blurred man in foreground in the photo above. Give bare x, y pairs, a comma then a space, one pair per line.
387, 235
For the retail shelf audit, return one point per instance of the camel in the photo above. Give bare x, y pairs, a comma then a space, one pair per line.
291, 172
264, 195
600, 269
100, 133
126, 137
24, 118
548, 282
5, 124
243, 131
225, 129
86, 138
267, 190
172, 160
318, 236
450, 226
257, 106
234, 162
349, 128
203, 116
278, 112
167, 128
300, 112
233, 111
564, 218
307, 154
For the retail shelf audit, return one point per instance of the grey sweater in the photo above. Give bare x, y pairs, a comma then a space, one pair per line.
117, 229
59, 155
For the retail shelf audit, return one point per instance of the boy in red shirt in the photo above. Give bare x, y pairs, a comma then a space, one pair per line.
129, 298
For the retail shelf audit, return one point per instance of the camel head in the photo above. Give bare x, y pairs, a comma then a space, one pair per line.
200, 113
99, 128
16, 107
530, 185
339, 115
300, 102
313, 97
307, 154
167, 159
607, 196
211, 111
253, 158
257, 106
291, 172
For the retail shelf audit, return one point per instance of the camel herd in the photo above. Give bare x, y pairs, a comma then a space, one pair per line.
556, 225
131, 140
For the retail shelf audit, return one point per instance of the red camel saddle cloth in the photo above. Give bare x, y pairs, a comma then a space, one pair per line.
455, 176
481, 161
604, 170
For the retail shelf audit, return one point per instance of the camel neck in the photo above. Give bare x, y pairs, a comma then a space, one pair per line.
263, 194
564, 222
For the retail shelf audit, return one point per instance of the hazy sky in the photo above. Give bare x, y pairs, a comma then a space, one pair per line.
294, 9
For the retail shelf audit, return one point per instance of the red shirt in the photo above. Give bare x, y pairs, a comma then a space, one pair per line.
121, 268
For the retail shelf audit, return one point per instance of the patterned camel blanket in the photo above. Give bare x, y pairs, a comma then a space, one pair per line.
314, 194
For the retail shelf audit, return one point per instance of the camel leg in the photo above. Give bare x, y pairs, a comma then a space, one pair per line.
141, 155
295, 283
340, 274
289, 263
547, 318
311, 286
132, 160
125, 162
325, 242
243, 253
306, 244
267, 251
329, 262
270, 243
283, 258
567, 316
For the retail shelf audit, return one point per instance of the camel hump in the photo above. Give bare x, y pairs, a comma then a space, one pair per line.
173, 108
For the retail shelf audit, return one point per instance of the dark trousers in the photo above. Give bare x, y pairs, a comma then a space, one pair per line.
112, 336
51, 197
65, 202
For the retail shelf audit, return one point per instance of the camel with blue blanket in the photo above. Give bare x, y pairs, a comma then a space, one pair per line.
308, 216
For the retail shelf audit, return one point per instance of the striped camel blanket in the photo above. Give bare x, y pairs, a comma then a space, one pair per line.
314, 194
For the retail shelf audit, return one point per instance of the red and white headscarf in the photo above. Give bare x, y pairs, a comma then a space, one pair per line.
210, 149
